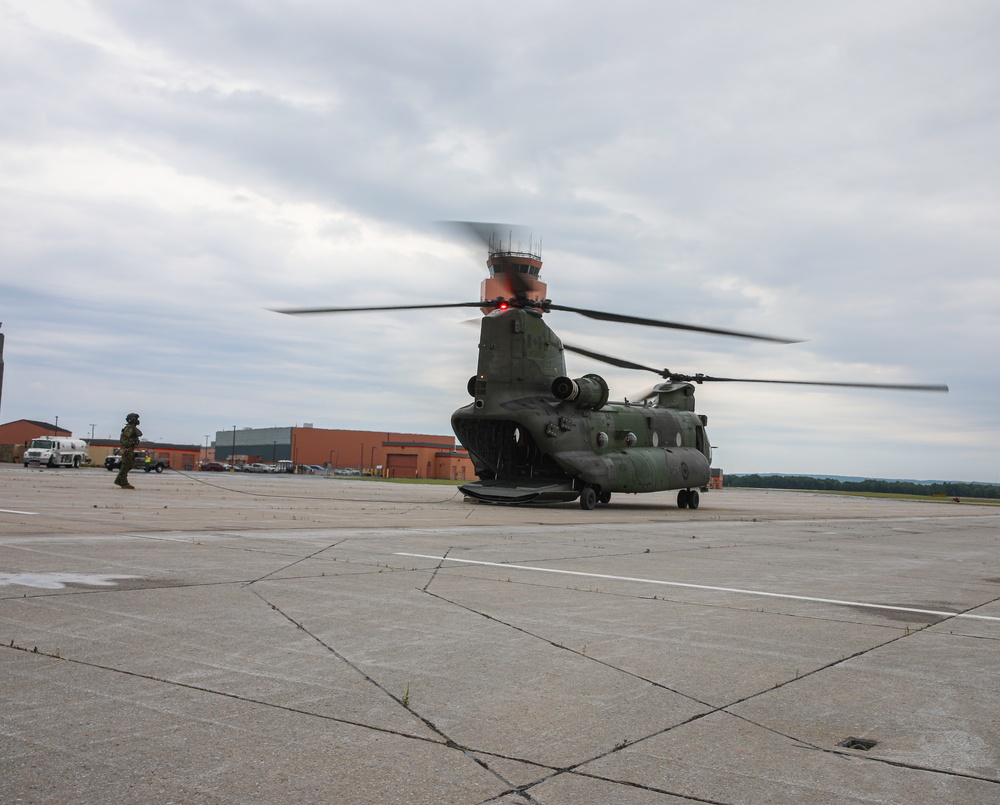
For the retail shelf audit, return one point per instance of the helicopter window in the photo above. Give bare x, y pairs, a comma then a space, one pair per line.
679, 439
656, 438
630, 440
602, 439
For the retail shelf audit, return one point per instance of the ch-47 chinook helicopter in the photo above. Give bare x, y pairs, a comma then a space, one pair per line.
535, 434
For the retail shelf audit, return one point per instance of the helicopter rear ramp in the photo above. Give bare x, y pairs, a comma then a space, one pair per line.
521, 491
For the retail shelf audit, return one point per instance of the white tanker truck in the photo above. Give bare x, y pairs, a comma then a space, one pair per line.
56, 451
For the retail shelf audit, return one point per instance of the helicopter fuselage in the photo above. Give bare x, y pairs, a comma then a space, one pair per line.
534, 434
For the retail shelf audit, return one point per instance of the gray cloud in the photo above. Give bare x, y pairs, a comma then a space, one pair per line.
172, 170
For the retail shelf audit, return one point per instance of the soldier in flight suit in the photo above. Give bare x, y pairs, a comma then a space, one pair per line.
130, 440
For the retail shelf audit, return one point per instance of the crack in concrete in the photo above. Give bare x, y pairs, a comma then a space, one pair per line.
222, 693
297, 561
468, 752
713, 709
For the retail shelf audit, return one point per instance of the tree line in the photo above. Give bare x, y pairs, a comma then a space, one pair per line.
951, 489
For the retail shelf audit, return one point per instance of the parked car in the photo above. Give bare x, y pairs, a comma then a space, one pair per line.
214, 466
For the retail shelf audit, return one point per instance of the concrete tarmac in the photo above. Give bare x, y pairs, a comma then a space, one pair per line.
224, 638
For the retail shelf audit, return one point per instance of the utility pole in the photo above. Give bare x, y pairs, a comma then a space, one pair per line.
1, 364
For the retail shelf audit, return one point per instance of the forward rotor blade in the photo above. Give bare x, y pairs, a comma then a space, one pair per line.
672, 325
485, 233
520, 285
305, 311
492, 237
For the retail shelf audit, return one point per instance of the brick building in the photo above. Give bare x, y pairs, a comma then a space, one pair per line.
17, 435
393, 455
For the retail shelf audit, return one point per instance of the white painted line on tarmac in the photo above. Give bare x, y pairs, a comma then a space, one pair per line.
735, 590
14, 511
57, 581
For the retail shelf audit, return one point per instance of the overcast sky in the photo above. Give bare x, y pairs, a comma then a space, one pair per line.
829, 172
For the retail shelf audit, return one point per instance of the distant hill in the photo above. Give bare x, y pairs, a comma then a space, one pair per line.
851, 478
841, 483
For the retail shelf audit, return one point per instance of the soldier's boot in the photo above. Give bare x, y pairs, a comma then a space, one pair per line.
127, 485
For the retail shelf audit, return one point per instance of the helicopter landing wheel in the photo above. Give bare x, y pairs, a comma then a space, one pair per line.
693, 498
588, 498
683, 498
604, 498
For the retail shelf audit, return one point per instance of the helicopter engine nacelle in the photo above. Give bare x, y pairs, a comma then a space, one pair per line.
589, 391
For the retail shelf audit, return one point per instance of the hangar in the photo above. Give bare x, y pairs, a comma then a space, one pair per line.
22, 431
393, 455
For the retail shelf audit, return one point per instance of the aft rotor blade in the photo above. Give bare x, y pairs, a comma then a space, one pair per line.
620, 362
666, 374
672, 325
897, 386
304, 311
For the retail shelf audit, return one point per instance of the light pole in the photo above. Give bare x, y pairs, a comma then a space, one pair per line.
330, 471
232, 456
92, 426
56, 431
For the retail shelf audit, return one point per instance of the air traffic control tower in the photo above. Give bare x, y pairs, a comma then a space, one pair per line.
512, 273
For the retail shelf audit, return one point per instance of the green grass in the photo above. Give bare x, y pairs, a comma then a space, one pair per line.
898, 496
